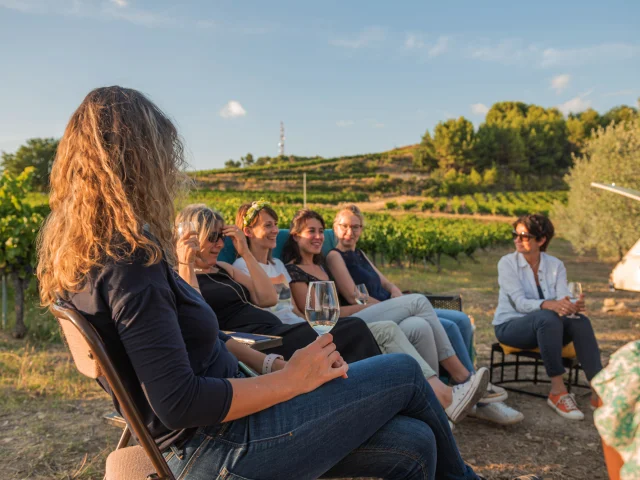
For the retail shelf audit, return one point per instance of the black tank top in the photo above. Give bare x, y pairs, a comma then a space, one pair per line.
231, 301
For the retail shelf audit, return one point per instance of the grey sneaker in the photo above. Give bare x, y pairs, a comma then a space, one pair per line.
499, 413
467, 394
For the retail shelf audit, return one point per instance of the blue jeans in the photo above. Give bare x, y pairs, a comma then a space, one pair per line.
460, 332
549, 331
383, 421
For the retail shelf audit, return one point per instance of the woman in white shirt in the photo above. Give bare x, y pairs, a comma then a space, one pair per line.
534, 310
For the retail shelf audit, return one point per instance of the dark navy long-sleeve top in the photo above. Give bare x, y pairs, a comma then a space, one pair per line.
166, 344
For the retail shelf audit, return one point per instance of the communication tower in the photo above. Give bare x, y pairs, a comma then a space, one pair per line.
281, 143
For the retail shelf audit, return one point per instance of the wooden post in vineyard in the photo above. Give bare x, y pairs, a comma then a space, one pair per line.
304, 190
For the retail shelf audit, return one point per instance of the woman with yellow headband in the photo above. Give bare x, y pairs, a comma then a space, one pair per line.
238, 297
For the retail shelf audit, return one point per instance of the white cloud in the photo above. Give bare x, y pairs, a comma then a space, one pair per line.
367, 37
415, 42
479, 109
552, 57
620, 93
515, 52
560, 82
344, 123
576, 104
378, 125
233, 109
103, 10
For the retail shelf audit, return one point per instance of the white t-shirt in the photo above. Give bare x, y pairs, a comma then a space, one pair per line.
284, 308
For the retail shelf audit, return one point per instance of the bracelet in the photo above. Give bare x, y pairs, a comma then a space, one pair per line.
268, 362
182, 263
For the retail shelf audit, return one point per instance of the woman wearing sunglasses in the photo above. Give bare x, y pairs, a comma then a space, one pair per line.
534, 310
238, 296
350, 266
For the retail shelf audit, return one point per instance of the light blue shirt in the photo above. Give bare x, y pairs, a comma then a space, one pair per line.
518, 292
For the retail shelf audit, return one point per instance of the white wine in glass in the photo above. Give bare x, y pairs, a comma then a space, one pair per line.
361, 294
184, 227
575, 290
322, 308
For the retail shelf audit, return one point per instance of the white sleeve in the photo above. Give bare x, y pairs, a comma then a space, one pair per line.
241, 265
562, 287
281, 269
510, 284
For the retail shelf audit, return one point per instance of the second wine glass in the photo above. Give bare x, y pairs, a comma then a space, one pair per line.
361, 294
322, 309
575, 290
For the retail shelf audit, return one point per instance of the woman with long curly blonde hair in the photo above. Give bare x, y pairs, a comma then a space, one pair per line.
106, 250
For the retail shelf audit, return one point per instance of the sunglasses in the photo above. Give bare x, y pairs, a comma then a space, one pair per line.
522, 235
354, 228
215, 236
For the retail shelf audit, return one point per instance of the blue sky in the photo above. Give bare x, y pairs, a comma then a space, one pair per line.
346, 77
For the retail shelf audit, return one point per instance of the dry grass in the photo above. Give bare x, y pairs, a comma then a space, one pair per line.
50, 416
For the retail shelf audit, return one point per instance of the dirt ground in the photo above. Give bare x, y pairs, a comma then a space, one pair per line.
51, 417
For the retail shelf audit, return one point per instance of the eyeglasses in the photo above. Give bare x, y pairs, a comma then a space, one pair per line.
522, 236
354, 228
215, 236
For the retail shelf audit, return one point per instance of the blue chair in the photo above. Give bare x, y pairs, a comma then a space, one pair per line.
228, 253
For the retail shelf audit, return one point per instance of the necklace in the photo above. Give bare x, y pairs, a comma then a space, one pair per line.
241, 295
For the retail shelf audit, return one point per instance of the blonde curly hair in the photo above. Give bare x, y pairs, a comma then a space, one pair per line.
117, 172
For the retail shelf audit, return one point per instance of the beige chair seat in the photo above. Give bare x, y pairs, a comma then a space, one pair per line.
130, 463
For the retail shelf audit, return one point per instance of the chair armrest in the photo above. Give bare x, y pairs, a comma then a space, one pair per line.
444, 302
246, 370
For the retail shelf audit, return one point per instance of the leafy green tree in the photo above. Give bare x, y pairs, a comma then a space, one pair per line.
19, 225
622, 113
501, 146
475, 178
543, 132
232, 164
453, 142
425, 156
247, 160
592, 218
580, 127
37, 153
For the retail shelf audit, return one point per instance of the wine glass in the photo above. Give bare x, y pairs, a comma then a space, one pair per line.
361, 294
284, 297
184, 227
322, 308
575, 290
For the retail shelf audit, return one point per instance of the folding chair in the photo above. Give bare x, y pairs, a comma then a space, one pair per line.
140, 462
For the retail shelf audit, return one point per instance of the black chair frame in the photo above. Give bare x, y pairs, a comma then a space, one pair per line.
532, 359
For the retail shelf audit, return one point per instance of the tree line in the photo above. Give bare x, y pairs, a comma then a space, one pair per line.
516, 137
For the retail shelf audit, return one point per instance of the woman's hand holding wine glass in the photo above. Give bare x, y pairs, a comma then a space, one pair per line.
187, 245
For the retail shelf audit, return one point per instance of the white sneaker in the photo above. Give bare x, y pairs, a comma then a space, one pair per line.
467, 394
499, 413
494, 394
